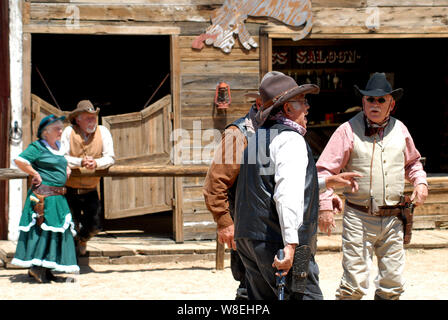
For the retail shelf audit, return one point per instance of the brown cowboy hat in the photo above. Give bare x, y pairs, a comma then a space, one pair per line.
278, 89
83, 106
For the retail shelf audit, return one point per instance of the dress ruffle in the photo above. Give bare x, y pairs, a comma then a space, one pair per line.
68, 223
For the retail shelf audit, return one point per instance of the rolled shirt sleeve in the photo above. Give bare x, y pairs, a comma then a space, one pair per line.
222, 174
414, 172
289, 155
333, 159
108, 157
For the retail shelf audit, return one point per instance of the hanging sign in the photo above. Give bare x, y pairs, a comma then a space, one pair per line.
229, 20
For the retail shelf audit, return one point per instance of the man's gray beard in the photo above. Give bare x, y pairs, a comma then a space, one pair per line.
90, 131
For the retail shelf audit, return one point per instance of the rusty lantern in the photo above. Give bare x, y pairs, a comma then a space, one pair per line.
223, 98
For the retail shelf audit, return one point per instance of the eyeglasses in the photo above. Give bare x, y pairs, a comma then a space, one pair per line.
302, 101
380, 100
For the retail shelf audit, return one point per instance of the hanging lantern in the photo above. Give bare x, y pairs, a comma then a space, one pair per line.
223, 98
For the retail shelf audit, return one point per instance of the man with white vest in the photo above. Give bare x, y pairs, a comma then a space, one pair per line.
380, 148
89, 145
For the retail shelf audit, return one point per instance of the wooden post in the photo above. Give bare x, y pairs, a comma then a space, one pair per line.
178, 219
265, 53
4, 114
220, 250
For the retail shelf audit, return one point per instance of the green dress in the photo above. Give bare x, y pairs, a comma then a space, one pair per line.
50, 245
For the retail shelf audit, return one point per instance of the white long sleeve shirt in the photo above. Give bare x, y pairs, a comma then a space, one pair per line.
108, 156
289, 155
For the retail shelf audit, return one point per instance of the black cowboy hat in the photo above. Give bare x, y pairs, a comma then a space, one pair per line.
378, 86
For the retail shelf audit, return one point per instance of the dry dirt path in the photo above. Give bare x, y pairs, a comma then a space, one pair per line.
426, 273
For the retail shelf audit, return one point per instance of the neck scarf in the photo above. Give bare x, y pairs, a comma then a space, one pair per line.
279, 117
374, 128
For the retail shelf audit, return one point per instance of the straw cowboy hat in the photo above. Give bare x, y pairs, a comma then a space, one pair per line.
83, 106
277, 89
378, 86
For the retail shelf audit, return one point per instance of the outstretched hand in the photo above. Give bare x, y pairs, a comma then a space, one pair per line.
344, 179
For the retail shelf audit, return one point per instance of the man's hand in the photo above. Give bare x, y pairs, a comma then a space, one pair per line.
89, 162
337, 203
344, 179
420, 194
225, 236
287, 262
326, 221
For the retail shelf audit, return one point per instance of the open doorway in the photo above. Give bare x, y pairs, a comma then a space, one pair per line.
419, 66
118, 73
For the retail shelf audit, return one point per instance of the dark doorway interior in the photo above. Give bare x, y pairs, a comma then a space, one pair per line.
419, 66
118, 74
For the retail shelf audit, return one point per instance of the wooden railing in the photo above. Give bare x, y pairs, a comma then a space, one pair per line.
122, 171
435, 210
134, 171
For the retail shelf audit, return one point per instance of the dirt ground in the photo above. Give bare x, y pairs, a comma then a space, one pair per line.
426, 275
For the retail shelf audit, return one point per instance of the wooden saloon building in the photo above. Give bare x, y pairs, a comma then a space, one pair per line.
142, 63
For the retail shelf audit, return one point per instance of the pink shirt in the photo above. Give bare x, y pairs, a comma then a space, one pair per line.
337, 153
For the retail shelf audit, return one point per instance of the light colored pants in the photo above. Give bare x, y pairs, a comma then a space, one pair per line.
362, 235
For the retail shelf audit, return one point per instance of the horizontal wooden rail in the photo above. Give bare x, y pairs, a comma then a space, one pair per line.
122, 171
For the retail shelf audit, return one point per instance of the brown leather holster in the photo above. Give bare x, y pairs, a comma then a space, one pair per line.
407, 216
41, 192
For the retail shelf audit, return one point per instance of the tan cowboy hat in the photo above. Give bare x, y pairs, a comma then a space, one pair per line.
83, 106
276, 90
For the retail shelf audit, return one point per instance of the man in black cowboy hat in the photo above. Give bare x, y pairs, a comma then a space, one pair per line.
89, 145
380, 148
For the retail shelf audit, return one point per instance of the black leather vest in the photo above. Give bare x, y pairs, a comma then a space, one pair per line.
256, 215
240, 124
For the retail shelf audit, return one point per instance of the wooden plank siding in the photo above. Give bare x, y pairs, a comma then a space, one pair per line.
197, 72
201, 71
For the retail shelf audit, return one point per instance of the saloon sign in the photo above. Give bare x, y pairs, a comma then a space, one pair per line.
325, 56
302, 57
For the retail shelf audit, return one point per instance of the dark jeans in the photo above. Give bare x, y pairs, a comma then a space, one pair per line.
86, 212
257, 257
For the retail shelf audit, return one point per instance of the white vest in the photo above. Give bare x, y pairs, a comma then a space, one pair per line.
388, 175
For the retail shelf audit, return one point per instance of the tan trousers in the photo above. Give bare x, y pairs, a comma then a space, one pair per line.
362, 236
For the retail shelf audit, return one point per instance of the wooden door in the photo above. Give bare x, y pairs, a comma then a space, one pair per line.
140, 138
41, 109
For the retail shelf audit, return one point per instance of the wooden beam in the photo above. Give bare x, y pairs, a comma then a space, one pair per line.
122, 171
121, 12
391, 20
406, 3
101, 29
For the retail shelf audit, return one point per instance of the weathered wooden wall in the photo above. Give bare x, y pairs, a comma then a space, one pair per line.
200, 71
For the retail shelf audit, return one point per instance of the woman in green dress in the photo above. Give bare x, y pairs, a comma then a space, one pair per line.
46, 228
